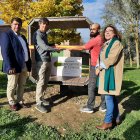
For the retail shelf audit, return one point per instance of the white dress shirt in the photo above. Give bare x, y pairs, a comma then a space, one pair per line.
23, 43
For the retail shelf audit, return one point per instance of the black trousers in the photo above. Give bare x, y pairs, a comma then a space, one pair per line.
91, 90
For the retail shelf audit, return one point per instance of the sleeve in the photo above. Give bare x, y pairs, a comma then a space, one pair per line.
5, 50
43, 45
102, 65
92, 43
113, 54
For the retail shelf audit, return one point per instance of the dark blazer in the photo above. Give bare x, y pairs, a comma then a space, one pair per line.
13, 53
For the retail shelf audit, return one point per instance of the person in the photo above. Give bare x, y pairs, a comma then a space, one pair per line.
110, 71
16, 63
43, 61
94, 46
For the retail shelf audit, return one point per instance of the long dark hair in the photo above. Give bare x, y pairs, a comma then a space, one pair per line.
117, 34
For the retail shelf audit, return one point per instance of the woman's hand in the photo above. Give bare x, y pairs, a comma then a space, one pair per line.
97, 71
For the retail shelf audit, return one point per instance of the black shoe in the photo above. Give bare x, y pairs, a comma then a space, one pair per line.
14, 107
41, 108
22, 105
102, 109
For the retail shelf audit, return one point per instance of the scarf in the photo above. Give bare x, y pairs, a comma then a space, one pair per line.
109, 79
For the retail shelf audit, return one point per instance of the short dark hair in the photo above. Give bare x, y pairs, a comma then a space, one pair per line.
43, 20
19, 20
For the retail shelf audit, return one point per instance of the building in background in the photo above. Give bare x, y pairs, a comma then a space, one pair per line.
3, 28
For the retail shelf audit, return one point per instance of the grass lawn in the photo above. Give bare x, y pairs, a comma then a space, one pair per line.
15, 127
0, 65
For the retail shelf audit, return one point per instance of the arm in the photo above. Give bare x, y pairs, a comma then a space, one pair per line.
113, 54
89, 45
43, 45
76, 48
5, 50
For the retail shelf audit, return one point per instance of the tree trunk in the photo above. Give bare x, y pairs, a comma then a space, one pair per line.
129, 51
137, 52
137, 44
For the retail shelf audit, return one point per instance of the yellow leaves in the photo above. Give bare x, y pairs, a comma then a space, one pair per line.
25, 24
14, 8
66, 5
70, 7
29, 9
43, 8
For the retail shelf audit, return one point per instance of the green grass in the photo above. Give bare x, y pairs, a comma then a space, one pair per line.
0, 65
3, 85
15, 127
56, 54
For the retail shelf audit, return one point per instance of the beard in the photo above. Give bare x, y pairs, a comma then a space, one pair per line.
94, 34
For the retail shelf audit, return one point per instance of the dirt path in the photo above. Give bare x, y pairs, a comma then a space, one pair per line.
64, 109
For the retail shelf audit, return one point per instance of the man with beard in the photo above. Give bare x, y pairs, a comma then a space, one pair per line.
94, 46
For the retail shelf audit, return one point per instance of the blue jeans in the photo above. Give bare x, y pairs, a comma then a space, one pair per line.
112, 108
91, 90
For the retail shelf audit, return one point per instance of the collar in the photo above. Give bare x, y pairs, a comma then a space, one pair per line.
107, 42
16, 33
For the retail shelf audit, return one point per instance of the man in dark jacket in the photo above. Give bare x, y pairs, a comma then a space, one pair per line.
43, 61
16, 62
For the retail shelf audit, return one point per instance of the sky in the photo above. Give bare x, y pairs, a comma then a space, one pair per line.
1, 22
93, 10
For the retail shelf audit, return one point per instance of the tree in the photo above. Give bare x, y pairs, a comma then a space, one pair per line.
29, 9
126, 15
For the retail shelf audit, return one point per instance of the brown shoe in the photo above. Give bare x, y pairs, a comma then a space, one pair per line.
104, 126
14, 107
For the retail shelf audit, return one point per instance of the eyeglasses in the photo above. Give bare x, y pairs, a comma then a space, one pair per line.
109, 31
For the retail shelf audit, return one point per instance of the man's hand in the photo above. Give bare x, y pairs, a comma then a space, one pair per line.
12, 71
53, 46
59, 47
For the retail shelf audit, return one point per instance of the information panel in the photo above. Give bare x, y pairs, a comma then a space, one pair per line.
67, 66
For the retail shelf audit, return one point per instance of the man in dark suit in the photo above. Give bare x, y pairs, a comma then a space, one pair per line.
16, 62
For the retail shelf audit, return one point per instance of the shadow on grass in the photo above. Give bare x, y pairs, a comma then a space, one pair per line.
132, 94
133, 133
18, 126
4, 103
128, 69
3, 84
